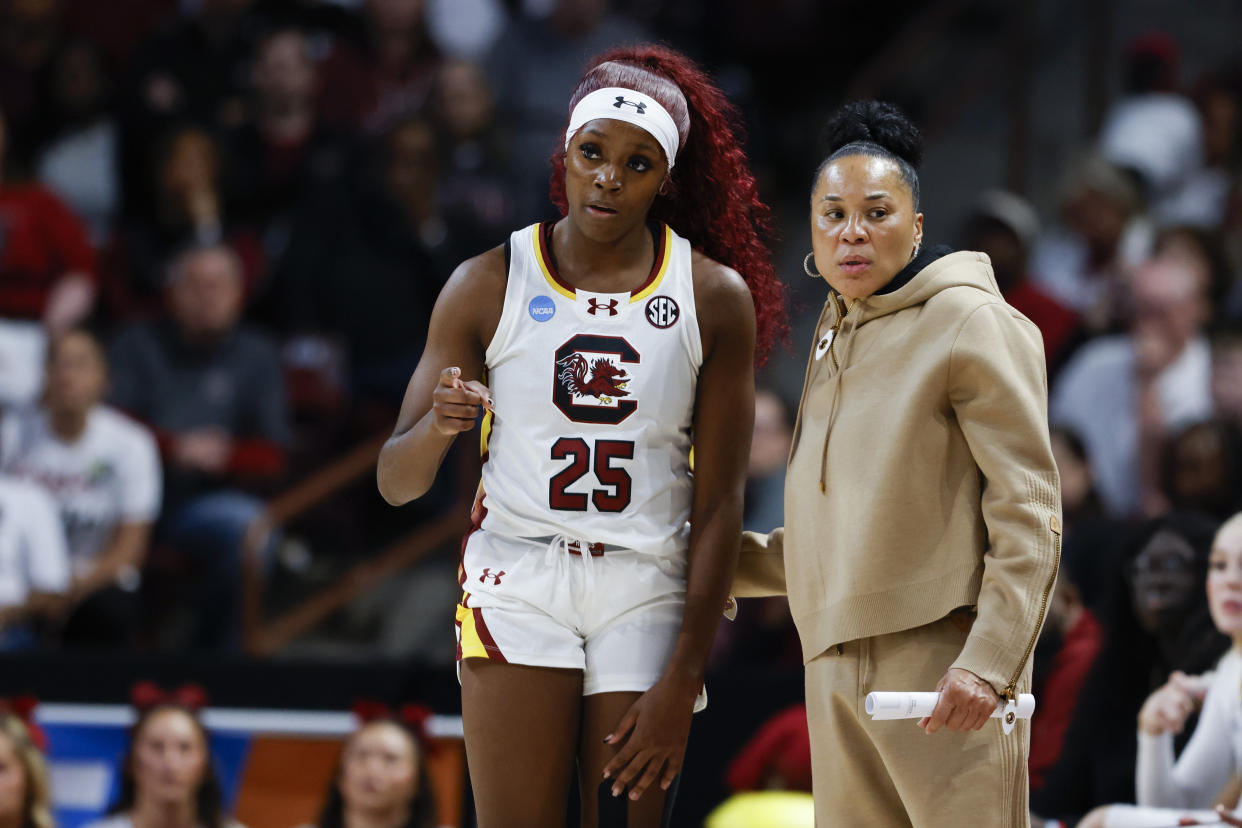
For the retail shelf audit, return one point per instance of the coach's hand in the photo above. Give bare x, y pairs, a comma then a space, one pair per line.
652, 738
455, 402
966, 702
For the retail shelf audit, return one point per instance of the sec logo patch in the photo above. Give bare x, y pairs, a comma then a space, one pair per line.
662, 312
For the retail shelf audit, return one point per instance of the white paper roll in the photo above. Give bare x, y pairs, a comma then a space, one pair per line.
882, 705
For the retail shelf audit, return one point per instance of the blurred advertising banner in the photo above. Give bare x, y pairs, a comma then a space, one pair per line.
274, 766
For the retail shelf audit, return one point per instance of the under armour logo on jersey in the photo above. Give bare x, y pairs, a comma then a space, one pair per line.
638, 105
610, 306
495, 576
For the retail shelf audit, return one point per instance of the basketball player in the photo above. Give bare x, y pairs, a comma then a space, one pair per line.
611, 340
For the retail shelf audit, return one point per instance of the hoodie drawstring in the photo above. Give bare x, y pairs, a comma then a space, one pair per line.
842, 362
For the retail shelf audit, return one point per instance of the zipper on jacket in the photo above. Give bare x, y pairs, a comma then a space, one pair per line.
1010, 693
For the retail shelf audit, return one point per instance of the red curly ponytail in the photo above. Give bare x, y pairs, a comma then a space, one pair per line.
714, 201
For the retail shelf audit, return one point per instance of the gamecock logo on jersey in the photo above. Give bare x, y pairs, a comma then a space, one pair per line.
589, 379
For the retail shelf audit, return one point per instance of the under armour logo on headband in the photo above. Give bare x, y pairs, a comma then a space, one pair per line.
640, 106
615, 103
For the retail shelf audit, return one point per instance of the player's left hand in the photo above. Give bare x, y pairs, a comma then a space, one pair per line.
652, 739
966, 702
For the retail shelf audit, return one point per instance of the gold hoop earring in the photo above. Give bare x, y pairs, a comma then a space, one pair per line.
806, 266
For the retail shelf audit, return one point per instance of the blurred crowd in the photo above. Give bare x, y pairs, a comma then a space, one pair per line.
223, 224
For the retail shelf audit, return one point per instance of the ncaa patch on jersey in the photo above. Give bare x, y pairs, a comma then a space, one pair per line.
541, 308
662, 312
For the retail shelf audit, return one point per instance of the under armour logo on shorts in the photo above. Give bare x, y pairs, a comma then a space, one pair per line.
596, 305
638, 105
495, 576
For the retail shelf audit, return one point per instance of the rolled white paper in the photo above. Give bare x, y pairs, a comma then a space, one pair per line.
881, 706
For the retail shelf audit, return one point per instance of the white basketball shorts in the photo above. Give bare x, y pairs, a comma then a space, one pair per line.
612, 613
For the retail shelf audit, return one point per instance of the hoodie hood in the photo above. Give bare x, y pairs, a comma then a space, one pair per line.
920, 281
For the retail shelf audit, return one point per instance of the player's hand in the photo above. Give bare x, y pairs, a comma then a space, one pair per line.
966, 702
1167, 709
652, 740
455, 402
206, 449
1228, 817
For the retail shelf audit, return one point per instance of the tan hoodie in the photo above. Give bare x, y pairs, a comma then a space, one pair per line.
921, 477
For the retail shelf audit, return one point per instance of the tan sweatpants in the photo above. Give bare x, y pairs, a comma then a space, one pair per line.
875, 774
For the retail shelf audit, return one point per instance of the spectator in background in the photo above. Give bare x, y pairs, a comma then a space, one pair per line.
282, 153
1202, 199
765, 473
192, 70
1005, 227
777, 757
1088, 534
384, 72
465, 28
1072, 637
1204, 252
1155, 131
102, 469
34, 563
1068, 647
1123, 394
1226, 382
30, 30
476, 182
397, 250
47, 265
25, 793
1083, 261
763, 634
1201, 469
1168, 789
167, 778
213, 393
382, 780
189, 209
117, 27
1217, 97
1156, 621
80, 159
533, 67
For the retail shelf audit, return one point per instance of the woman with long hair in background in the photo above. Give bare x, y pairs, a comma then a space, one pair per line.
25, 797
382, 780
167, 776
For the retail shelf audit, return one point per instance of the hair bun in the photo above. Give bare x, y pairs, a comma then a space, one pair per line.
878, 123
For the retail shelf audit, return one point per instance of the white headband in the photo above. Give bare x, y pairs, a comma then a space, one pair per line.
635, 108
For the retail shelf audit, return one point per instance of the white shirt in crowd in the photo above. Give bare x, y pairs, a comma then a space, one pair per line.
109, 476
1169, 789
1211, 757
1096, 396
32, 543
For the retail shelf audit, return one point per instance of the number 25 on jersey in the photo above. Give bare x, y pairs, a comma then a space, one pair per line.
614, 497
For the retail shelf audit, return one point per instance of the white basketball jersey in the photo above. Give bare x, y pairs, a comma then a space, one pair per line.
594, 401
